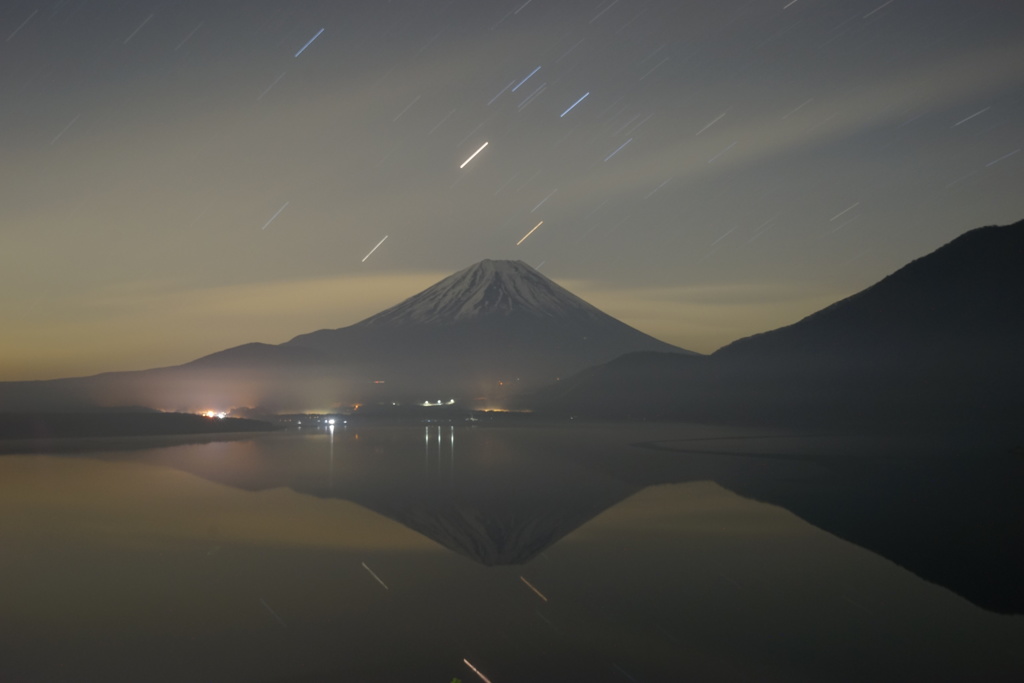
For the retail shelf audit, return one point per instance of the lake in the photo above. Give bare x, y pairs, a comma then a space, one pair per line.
459, 551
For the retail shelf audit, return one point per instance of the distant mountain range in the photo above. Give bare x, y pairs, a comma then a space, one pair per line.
484, 332
938, 340
942, 338
496, 322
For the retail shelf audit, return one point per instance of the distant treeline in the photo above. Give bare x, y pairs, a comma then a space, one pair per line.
71, 425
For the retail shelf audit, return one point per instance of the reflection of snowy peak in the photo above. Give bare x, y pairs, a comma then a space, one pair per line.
485, 289
504, 531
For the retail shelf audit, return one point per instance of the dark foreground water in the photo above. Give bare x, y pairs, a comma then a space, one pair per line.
417, 552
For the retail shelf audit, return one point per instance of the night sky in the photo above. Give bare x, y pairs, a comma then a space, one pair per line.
182, 177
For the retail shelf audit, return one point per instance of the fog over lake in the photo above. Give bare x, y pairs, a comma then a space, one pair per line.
400, 552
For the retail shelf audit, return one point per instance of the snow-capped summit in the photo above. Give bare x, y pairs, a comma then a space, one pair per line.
486, 288
494, 322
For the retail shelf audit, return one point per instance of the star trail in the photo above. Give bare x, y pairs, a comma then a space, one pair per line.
721, 168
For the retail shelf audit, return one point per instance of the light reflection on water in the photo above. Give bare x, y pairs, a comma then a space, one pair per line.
372, 553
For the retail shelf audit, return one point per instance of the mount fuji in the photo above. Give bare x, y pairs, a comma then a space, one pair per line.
488, 288
494, 327
491, 329
494, 324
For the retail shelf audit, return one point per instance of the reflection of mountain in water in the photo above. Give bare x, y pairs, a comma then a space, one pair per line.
478, 496
502, 496
951, 522
498, 530
498, 507
952, 516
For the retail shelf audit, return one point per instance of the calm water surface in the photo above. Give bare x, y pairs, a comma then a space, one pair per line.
400, 553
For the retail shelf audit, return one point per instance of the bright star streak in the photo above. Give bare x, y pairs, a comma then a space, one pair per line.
471, 156
190, 34
273, 613
525, 79
659, 187
552, 194
66, 128
500, 93
476, 671
364, 261
573, 105
723, 237
309, 43
534, 589
440, 122
977, 113
712, 159
883, 5
619, 149
602, 12
407, 107
651, 70
713, 122
275, 215
529, 233
271, 86
375, 576
532, 96
139, 28
800, 107
21, 26
566, 53
646, 119
849, 208
1005, 156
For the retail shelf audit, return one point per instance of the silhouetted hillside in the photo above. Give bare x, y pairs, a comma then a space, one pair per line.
938, 340
965, 298
489, 329
119, 423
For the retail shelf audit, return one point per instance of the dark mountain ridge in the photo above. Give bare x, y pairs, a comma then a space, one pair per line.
965, 296
480, 333
938, 340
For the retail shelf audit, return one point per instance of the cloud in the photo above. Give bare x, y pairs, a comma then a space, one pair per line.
704, 318
158, 322
761, 136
